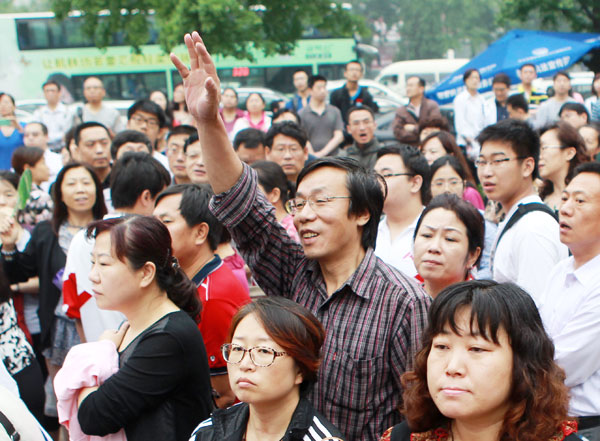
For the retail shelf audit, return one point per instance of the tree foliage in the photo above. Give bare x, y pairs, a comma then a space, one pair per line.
228, 27
580, 15
428, 28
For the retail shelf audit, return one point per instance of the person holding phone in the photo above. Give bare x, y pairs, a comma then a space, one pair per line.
11, 132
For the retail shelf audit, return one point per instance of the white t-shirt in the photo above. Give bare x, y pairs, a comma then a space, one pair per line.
398, 253
528, 250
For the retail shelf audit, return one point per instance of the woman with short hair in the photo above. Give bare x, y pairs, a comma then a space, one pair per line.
486, 372
273, 358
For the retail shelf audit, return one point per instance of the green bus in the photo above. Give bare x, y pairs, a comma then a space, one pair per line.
36, 47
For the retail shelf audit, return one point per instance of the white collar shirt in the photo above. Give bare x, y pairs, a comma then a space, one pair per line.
571, 316
528, 250
398, 253
58, 120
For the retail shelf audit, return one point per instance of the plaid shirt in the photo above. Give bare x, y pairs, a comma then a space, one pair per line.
374, 321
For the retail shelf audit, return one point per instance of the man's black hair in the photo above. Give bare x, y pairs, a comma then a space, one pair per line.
128, 136
285, 110
414, 162
518, 101
528, 64
250, 137
192, 139
150, 107
366, 194
42, 126
86, 125
519, 135
287, 128
356, 108
182, 129
468, 73
501, 78
577, 107
561, 73
420, 79
587, 167
133, 173
194, 208
50, 83
354, 62
314, 78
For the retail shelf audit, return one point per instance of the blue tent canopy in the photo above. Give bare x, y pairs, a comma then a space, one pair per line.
550, 52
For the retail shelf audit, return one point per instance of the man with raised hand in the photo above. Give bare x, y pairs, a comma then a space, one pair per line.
374, 314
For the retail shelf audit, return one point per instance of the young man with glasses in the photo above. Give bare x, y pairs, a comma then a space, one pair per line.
285, 144
527, 243
407, 177
147, 117
374, 315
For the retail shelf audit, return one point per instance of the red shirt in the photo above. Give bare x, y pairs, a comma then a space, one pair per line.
221, 295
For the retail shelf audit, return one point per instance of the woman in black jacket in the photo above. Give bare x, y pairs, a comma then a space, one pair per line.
272, 359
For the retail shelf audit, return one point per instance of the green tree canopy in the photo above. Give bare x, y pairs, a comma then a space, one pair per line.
228, 27
580, 15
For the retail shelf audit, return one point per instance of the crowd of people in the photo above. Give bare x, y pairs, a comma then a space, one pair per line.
202, 272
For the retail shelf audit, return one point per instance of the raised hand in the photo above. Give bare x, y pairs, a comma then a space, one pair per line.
200, 82
9, 229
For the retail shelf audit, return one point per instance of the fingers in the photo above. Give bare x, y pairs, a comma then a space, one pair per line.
183, 70
212, 89
207, 61
189, 43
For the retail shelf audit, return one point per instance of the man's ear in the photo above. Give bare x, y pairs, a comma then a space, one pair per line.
200, 233
528, 167
416, 182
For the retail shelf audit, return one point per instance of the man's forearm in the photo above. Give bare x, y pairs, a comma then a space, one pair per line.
223, 166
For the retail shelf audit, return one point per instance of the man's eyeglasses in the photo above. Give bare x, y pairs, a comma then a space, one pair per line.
391, 175
152, 122
260, 355
495, 163
293, 206
546, 147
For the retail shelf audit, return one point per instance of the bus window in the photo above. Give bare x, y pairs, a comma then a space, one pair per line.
332, 71
127, 86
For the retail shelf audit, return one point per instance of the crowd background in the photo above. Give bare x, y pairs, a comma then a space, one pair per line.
192, 218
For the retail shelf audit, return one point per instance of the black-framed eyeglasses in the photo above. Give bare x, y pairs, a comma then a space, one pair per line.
293, 206
391, 175
262, 356
496, 162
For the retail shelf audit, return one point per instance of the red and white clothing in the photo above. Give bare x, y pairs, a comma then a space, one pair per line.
221, 295
78, 299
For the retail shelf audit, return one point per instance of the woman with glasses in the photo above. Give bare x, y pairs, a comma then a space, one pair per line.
442, 143
447, 242
486, 372
162, 386
273, 359
449, 176
561, 150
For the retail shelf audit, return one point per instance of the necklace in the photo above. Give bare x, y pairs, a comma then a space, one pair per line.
69, 225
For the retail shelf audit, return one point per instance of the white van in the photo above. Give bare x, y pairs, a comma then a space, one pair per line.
394, 76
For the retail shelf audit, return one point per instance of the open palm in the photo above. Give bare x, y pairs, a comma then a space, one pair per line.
200, 82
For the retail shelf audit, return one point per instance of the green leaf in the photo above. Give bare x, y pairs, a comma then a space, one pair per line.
24, 189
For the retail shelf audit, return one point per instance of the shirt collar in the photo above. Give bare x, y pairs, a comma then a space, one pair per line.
363, 272
206, 270
588, 273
